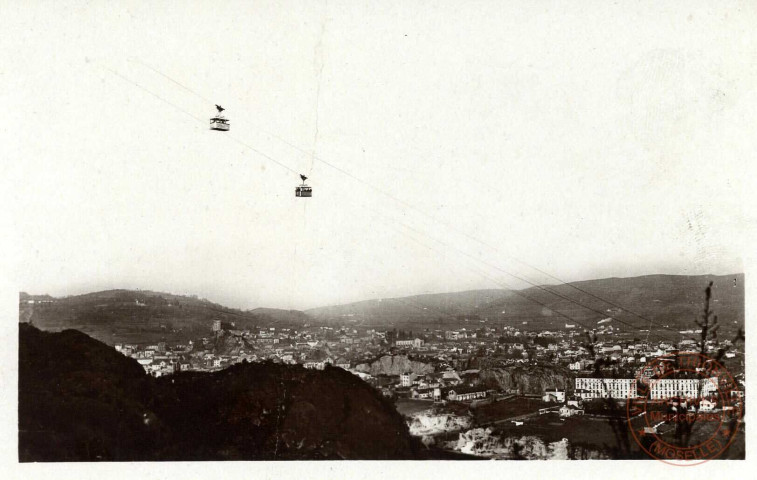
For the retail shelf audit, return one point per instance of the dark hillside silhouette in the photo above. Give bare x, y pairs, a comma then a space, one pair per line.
80, 400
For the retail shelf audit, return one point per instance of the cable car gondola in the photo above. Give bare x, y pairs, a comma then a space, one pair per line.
303, 190
219, 122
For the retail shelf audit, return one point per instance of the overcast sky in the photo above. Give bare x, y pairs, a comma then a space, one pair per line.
478, 138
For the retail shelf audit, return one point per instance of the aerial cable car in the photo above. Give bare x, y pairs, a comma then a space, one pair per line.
219, 122
303, 190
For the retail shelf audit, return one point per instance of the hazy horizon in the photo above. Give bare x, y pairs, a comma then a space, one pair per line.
242, 306
450, 146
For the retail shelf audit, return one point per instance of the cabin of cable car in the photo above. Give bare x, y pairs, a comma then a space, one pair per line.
219, 123
303, 191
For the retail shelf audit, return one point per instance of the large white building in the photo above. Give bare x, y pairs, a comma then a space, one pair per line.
415, 343
683, 387
588, 388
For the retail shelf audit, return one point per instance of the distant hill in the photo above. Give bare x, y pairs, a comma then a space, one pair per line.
673, 300
143, 316
80, 400
25, 297
276, 315
441, 308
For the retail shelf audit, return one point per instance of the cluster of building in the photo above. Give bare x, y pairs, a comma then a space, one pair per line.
226, 345
443, 385
447, 352
159, 359
567, 406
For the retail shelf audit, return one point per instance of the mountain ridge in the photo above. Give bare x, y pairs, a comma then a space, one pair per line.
659, 298
672, 300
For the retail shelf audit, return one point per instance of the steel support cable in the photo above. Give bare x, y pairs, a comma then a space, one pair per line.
634, 327
431, 217
410, 206
497, 282
200, 120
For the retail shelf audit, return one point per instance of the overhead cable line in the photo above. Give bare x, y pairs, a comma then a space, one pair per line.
244, 144
503, 284
404, 203
519, 293
423, 213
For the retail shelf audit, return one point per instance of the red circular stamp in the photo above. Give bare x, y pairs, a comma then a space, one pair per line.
686, 408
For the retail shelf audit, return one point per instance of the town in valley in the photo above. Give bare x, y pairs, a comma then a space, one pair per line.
469, 384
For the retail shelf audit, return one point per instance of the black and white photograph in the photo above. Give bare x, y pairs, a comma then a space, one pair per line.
306, 234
